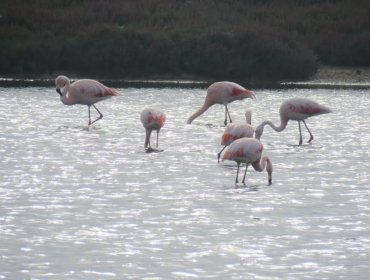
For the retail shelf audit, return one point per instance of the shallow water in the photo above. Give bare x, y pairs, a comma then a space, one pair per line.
89, 203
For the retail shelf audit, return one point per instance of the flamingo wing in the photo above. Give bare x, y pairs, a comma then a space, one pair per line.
244, 150
302, 108
236, 131
88, 91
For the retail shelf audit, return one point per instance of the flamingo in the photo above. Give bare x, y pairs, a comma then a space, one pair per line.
248, 151
152, 119
296, 109
222, 93
85, 92
235, 131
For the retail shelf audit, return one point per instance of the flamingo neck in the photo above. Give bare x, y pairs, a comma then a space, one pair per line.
248, 117
147, 138
259, 130
260, 165
200, 111
281, 127
66, 97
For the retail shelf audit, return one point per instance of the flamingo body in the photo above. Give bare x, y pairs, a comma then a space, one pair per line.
152, 119
248, 151
235, 131
222, 93
84, 92
296, 109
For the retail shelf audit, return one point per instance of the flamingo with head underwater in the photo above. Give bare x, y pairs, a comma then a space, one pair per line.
235, 131
152, 119
222, 93
248, 151
85, 92
296, 109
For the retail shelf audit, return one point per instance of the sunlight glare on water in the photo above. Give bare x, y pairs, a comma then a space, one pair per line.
81, 202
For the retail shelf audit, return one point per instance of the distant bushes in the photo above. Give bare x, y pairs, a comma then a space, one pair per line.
345, 49
118, 54
237, 40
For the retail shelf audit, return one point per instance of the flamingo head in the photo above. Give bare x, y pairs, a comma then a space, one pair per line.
245, 93
60, 83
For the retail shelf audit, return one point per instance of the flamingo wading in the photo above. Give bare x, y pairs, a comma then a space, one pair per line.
235, 131
295, 109
84, 92
152, 119
222, 93
248, 151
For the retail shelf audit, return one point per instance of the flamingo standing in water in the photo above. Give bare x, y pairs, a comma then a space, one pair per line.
222, 93
296, 109
85, 92
235, 131
152, 119
248, 151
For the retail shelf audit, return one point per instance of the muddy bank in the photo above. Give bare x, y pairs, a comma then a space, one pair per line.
337, 77
326, 77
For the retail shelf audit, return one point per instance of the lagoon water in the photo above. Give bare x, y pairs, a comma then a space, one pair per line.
89, 203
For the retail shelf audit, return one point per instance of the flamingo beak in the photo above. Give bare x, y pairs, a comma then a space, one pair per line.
252, 95
58, 91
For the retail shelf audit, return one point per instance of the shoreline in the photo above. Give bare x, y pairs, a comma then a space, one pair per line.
338, 77
327, 77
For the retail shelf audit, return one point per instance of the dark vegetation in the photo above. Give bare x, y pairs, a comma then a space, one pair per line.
249, 40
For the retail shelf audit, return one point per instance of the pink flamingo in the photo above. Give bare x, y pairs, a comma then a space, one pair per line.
248, 151
85, 92
152, 119
222, 93
296, 109
235, 131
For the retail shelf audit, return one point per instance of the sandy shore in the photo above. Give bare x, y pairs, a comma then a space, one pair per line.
341, 75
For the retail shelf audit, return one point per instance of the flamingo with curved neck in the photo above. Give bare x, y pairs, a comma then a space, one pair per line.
85, 92
296, 109
222, 93
248, 151
152, 119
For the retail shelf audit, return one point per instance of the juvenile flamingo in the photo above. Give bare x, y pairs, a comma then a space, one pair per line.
248, 151
222, 93
235, 131
296, 109
152, 119
85, 92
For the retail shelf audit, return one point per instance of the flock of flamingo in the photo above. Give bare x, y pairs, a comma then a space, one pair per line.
237, 139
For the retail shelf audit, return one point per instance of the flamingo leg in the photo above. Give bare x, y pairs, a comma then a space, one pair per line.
219, 154
225, 121
227, 114
98, 118
89, 115
245, 173
237, 173
157, 139
300, 133
148, 148
311, 136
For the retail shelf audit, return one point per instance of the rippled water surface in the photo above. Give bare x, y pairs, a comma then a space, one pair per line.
89, 203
